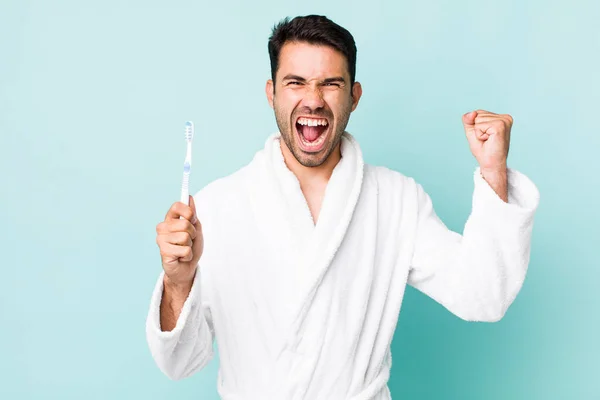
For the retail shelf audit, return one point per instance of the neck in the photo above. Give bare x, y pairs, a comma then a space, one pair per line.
311, 174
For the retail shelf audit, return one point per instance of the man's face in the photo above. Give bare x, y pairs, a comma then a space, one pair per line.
312, 99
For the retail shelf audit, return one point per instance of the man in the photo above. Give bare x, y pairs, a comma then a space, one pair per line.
297, 263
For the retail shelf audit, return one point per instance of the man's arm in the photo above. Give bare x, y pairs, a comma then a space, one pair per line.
180, 335
173, 298
179, 327
478, 274
498, 181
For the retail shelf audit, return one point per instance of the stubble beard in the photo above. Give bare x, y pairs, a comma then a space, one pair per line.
288, 132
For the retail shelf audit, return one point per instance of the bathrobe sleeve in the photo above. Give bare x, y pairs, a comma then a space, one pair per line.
478, 274
189, 346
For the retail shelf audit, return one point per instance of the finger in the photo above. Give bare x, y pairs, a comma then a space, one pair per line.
178, 209
176, 225
487, 129
483, 136
485, 112
491, 114
485, 118
179, 225
491, 127
507, 121
178, 238
181, 253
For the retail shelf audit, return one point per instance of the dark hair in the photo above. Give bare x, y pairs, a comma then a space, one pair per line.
313, 29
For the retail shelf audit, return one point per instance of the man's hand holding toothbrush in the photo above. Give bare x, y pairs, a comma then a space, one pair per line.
179, 238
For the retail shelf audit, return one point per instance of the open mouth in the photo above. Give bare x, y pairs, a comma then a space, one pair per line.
312, 133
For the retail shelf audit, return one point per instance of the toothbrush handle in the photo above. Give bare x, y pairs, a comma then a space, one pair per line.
185, 188
187, 167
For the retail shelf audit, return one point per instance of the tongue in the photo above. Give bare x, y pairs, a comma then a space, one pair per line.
311, 133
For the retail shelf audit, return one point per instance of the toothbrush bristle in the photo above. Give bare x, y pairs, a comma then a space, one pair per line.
189, 130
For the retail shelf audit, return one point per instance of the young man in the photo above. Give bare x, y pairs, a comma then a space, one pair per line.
297, 263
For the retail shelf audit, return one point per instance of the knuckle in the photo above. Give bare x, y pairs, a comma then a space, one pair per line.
180, 237
168, 226
176, 225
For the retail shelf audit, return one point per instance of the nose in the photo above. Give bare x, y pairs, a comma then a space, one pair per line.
313, 98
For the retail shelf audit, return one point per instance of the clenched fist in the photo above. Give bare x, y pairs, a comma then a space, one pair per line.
179, 238
489, 138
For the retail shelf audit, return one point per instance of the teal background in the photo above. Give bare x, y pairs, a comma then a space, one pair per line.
93, 98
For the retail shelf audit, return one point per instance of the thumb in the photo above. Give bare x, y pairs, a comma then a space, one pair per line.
469, 119
193, 207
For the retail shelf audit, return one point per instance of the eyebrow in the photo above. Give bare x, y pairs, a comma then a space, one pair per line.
326, 80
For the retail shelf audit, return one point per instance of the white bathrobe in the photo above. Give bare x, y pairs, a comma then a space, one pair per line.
305, 311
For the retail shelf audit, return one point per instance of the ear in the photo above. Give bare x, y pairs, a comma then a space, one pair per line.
269, 90
356, 93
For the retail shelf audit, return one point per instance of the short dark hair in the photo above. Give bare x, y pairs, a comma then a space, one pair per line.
313, 29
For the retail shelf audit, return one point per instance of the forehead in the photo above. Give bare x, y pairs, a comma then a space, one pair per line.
311, 61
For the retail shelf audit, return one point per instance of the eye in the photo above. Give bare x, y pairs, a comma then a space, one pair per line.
332, 84
294, 83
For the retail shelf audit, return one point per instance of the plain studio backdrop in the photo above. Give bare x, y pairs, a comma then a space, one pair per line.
93, 100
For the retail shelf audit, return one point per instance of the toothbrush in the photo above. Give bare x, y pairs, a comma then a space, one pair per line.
187, 166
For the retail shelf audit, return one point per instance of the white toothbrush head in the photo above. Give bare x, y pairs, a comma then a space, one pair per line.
189, 131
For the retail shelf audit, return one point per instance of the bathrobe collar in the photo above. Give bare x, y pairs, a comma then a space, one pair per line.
311, 247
